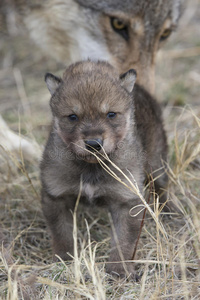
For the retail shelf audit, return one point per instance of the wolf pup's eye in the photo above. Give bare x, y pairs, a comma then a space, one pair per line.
111, 115
120, 27
73, 117
165, 34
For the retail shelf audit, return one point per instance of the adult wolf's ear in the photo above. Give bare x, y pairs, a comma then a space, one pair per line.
128, 80
52, 82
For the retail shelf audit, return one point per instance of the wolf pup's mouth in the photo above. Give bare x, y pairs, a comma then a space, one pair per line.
94, 157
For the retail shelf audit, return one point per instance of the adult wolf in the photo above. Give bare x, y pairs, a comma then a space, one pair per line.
126, 33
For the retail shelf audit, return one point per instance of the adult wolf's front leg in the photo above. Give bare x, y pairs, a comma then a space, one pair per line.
59, 216
124, 235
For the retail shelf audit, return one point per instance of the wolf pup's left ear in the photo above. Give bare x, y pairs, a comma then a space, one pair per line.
52, 82
128, 80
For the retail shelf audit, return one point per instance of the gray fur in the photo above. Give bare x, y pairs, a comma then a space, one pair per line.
148, 8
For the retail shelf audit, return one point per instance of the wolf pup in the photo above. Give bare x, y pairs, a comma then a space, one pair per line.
95, 112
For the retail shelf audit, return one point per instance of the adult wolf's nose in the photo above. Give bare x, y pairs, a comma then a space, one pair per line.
94, 145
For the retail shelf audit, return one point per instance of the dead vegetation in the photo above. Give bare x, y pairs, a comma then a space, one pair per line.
168, 253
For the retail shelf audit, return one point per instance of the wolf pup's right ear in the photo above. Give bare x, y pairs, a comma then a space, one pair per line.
52, 82
128, 80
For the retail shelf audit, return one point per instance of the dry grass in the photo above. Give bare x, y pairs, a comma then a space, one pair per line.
168, 254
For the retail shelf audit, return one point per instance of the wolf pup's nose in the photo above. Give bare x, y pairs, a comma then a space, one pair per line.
94, 145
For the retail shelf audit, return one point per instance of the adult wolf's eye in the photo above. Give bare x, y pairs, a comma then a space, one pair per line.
73, 117
165, 34
120, 27
111, 115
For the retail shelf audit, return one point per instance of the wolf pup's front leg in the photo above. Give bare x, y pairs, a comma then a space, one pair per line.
125, 230
59, 215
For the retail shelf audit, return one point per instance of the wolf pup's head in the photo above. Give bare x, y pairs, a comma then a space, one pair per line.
92, 108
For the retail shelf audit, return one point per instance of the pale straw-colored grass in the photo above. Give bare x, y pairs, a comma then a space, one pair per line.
169, 267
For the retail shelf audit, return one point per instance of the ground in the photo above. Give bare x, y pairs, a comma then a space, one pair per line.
168, 260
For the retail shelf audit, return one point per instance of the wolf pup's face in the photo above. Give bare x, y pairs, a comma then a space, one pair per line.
92, 108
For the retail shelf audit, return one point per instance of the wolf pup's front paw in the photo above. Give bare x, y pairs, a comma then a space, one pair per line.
122, 271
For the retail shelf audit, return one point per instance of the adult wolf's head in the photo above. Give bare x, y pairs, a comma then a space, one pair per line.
133, 30
125, 33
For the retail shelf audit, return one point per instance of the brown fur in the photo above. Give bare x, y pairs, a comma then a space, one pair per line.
134, 140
